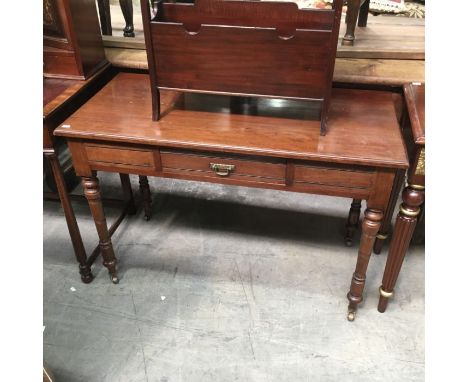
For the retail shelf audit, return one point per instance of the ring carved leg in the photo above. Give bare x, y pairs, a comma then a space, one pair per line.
146, 196
370, 227
78, 247
413, 197
93, 195
353, 221
128, 193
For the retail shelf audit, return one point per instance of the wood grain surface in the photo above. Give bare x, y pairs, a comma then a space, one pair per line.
363, 128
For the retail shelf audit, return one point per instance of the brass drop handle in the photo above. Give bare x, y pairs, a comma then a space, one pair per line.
222, 169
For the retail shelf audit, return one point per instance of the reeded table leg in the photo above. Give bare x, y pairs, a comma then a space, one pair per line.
387, 220
353, 221
370, 227
413, 197
146, 196
93, 194
77, 242
128, 193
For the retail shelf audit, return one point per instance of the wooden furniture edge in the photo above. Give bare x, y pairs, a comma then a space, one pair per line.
350, 70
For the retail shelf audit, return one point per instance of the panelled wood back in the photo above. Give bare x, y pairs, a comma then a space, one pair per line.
262, 49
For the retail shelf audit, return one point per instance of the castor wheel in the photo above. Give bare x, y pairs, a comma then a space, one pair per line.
147, 217
85, 274
351, 315
87, 278
348, 242
114, 279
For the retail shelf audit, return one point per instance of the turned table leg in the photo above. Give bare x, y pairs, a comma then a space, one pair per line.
93, 195
370, 227
146, 196
128, 193
105, 17
351, 19
363, 13
353, 221
77, 242
127, 9
387, 220
413, 197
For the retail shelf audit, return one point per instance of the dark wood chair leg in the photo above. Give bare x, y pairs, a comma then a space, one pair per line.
413, 197
74, 231
351, 19
93, 195
387, 220
353, 221
128, 193
105, 17
363, 13
146, 196
127, 9
370, 227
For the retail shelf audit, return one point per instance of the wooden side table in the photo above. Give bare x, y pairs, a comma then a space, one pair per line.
413, 194
359, 158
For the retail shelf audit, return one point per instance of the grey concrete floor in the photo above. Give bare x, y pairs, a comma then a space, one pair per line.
226, 284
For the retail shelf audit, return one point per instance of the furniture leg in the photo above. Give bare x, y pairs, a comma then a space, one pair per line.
370, 227
93, 194
105, 17
387, 220
363, 13
353, 221
146, 196
127, 9
413, 197
74, 231
128, 193
351, 19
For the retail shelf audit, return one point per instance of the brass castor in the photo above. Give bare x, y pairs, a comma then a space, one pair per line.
351, 315
114, 279
348, 242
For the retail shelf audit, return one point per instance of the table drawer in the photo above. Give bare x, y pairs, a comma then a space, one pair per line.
247, 169
337, 177
120, 156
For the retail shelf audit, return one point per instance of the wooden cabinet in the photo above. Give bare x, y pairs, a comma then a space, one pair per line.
72, 39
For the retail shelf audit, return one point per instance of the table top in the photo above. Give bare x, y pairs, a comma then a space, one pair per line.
363, 128
415, 102
59, 91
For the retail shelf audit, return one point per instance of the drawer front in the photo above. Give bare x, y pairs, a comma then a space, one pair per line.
120, 156
329, 176
239, 168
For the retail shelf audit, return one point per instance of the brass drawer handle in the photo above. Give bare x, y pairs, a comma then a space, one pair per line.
222, 169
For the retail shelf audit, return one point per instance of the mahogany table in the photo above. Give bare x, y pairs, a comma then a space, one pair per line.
413, 194
197, 138
61, 97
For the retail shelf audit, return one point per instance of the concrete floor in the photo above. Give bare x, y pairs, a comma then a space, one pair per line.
225, 284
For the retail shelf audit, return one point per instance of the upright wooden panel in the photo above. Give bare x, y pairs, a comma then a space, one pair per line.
242, 60
250, 48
